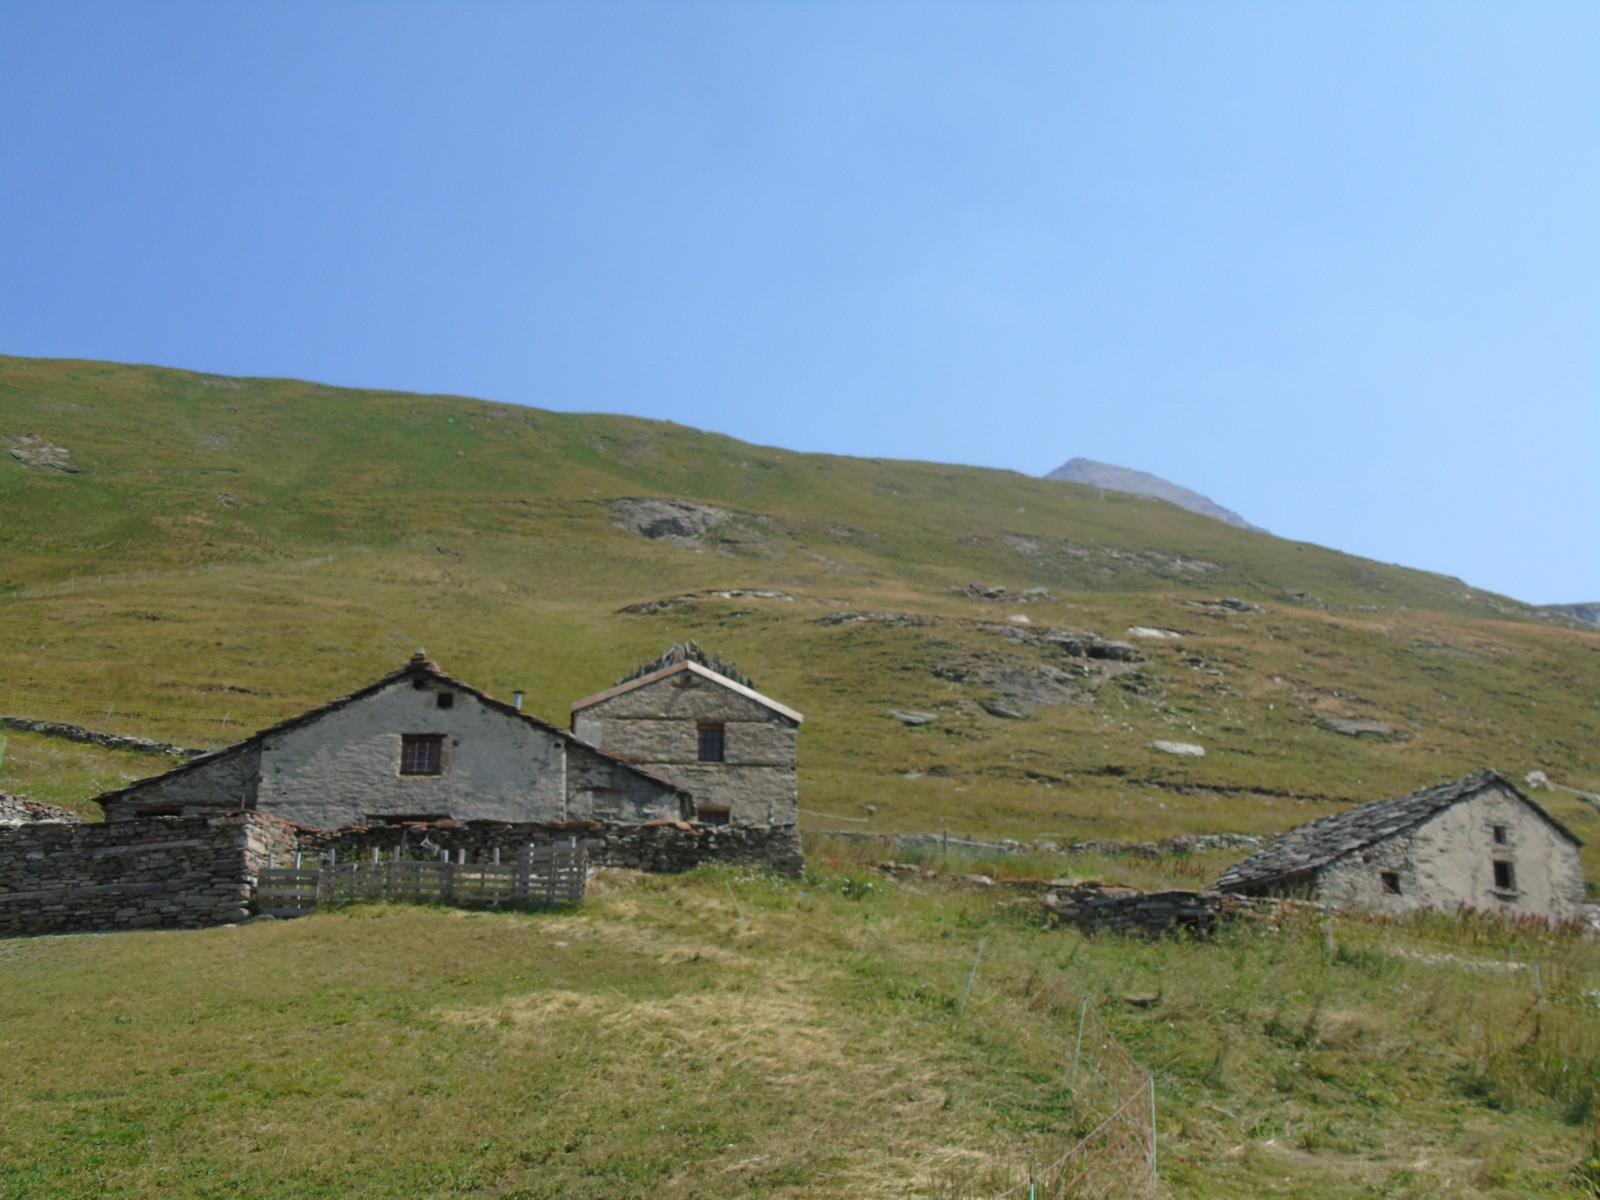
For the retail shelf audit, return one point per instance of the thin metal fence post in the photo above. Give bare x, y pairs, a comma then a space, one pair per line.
1077, 1050
1155, 1174
976, 959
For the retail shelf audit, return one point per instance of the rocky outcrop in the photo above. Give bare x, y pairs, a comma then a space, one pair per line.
32, 450
1589, 614
1141, 483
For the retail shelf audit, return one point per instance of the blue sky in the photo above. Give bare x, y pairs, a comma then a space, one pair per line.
1335, 265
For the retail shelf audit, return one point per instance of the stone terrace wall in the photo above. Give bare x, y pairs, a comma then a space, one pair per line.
149, 873
665, 846
1093, 908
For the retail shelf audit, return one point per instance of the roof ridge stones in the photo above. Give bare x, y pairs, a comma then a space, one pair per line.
690, 651
1308, 848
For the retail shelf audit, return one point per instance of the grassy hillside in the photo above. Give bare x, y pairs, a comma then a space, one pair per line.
231, 551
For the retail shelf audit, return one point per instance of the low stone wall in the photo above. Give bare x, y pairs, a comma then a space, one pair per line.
93, 737
666, 846
149, 873
1095, 908
23, 810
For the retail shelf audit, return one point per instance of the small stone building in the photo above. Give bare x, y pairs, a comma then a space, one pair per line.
696, 721
416, 745
1476, 843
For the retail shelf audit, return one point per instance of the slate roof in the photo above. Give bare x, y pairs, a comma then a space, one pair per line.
416, 666
1308, 848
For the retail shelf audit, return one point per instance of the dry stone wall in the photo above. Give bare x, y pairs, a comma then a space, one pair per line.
149, 873
664, 846
1095, 908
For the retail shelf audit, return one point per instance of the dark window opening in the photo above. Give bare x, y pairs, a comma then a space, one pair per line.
161, 810
1505, 877
421, 754
1391, 882
713, 816
711, 743
447, 700
1499, 835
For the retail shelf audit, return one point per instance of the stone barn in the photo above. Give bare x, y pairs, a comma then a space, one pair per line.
696, 721
415, 746
1476, 843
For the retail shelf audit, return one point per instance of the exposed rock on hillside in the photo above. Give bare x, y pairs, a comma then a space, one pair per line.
672, 519
1071, 559
1589, 614
33, 451
1141, 483
1359, 727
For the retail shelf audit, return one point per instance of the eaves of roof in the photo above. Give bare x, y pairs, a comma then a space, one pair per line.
782, 710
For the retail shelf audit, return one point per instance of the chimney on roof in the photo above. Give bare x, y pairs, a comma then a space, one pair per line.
516, 699
420, 658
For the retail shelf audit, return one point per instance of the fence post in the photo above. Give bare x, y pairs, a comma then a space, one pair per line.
1077, 1050
1155, 1174
972, 976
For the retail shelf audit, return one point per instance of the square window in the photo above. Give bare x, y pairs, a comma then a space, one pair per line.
711, 743
1391, 882
421, 754
1500, 835
447, 700
713, 816
1505, 876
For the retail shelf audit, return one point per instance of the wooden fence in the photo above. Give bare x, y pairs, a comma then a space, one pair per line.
540, 875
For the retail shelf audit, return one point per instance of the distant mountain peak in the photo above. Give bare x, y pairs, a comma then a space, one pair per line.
1142, 483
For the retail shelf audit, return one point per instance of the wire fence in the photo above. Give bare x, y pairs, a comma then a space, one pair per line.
1113, 1155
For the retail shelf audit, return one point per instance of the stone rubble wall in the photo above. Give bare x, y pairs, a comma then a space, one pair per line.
93, 737
1095, 908
665, 846
148, 873
23, 810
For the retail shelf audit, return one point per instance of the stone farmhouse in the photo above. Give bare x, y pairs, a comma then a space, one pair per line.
415, 746
1475, 843
697, 722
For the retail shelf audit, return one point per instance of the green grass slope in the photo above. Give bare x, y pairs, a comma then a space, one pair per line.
231, 551
812, 1042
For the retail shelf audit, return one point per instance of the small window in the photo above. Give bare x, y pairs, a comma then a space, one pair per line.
1500, 837
421, 754
1505, 877
1391, 882
713, 816
711, 743
447, 700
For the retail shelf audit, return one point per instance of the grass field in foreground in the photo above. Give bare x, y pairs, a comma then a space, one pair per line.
660, 1042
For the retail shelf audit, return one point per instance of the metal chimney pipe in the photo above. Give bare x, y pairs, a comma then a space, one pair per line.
516, 700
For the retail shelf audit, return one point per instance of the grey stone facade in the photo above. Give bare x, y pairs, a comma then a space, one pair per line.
346, 764
705, 730
1476, 843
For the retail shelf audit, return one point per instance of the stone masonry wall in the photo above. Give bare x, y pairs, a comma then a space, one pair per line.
148, 873
1093, 908
665, 846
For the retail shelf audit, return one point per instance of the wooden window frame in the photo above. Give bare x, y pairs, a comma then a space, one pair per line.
718, 741
422, 755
